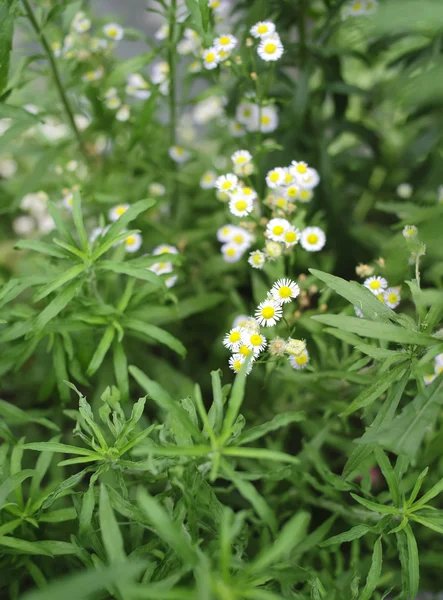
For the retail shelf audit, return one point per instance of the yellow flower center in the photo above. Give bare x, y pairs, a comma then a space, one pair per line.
210, 57
312, 238
278, 230
230, 252
226, 185
234, 337
179, 150
225, 231
255, 339
302, 359
120, 210
130, 240
301, 168
90, 75
247, 191
274, 176
292, 192
247, 112
304, 195
290, 237
268, 312
257, 259
241, 205
381, 297
285, 291
439, 369
262, 29
240, 160
356, 6
375, 285
237, 365
238, 239
112, 32
224, 40
244, 350
270, 48
288, 178
392, 298
265, 120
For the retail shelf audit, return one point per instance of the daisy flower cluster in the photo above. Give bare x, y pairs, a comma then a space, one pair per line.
165, 267
250, 116
245, 338
287, 185
388, 295
37, 218
270, 47
357, 8
438, 370
136, 87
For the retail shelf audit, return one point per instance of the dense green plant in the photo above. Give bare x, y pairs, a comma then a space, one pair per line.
316, 472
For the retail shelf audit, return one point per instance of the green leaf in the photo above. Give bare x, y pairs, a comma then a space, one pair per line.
235, 401
42, 247
379, 331
413, 565
216, 411
434, 491
61, 372
7, 18
23, 546
280, 420
260, 454
417, 486
8, 111
132, 271
429, 523
157, 334
61, 448
128, 66
65, 277
112, 538
374, 506
55, 307
389, 474
374, 572
355, 533
121, 369
12, 482
77, 217
168, 530
101, 350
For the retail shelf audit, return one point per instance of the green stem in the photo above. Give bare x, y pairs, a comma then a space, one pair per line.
54, 69
172, 70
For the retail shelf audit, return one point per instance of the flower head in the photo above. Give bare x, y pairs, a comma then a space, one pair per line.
254, 341
133, 242
277, 347
410, 231
241, 158
257, 259
392, 297
284, 290
117, 211
236, 362
207, 180
299, 362
233, 339
123, 113
376, 284
312, 239
291, 236
262, 29
404, 190
165, 249
240, 206
179, 154
268, 313
225, 42
276, 228
295, 347
211, 58
227, 183
231, 252
113, 31
270, 47
275, 178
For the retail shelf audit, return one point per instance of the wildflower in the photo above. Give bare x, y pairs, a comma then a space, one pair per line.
236, 362
68, 200
98, 232
295, 347
404, 190
123, 114
251, 325
208, 180
299, 362
208, 109
226, 42
276, 228
291, 236
227, 183
179, 154
275, 178
284, 290
156, 189
298, 168
254, 341
273, 250
233, 339
36, 204
428, 379
241, 206
277, 347
165, 249
113, 31
270, 47
241, 157
247, 113
439, 359
117, 211
292, 192
268, 313
46, 224
376, 284
262, 29
364, 270
246, 192
225, 233
138, 87
236, 129
113, 103
268, 119
211, 58
133, 242
257, 259
195, 67
93, 75
241, 320
312, 239
391, 297
160, 72
231, 252
171, 281
410, 231
162, 33
305, 195
81, 25
161, 268
24, 225
310, 179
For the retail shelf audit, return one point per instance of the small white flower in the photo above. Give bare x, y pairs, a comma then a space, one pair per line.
292, 192
160, 72
162, 33
291, 236
46, 224
179, 154
295, 347
133, 242
428, 379
23, 225
227, 183
285, 290
270, 48
241, 206
236, 362
226, 42
268, 313
225, 233
392, 297
247, 113
298, 168
156, 189
273, 250
208, 180
232, 340
211, 58
68, 201
276, 228
161, 268
268, 119
275, 178
305, 195
113, 31
262, 29
113, 103
171, 281
123, 114
236, 129
241, 158
117, 211
246, 192
404, 190
254, 341
410, 231
98, 232
257, 259
376, 284
82, 25
310, 179
165, 249
299, 362
241, 320
231, 252
438, 360
312, 239
93, 75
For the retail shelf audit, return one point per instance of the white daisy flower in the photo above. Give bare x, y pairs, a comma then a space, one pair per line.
404, 190
254, 341
46, 224
98, 232
133, 242
268, 313
225, 233
161, 268
273, 250
257, 259
410, 231
123, 114
68, 201
159, 72
231, 252
241, 320
298, 168
312, 239
299, 362
117, 211
247, 113
251, 325
241, 206
208, 180
291, 192
246, 192
227, 183
376, 284
113, 31
236, 129
156, 189
285, 290
268, 119
262, 29
82, 25
162, 33
233, 339
276, 228
392, 297
275, 178
179, 154
428, 379
165, 249
225, 42
241, 237
270, 48
291, 236
113, 103
93, 75
236, 362
24, 225
241, 158
211, 58
195, 67
439, 359
305, 195
309, 180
